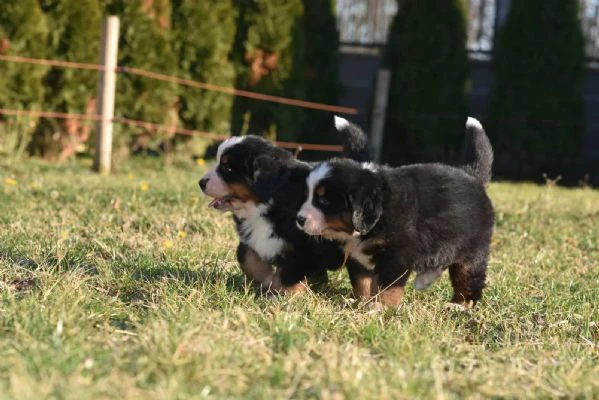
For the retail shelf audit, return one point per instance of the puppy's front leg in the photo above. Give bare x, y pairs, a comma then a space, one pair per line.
280, 284
392, 280
254, 267
363, 281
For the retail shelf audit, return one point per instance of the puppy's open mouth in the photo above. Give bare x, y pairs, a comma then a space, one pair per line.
222, 203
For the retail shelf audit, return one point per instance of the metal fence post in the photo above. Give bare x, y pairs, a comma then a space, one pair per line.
379, 112
106, 94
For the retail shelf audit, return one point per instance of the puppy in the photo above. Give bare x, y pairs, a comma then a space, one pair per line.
423, 218
264, 187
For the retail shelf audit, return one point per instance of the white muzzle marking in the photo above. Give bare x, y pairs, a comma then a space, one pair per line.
315, 222
215, 186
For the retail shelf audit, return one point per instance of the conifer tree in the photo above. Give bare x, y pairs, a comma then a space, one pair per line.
537, 116
146, 43
73, 27
266, 48
23, 31
204, 32
426, 53
320, 74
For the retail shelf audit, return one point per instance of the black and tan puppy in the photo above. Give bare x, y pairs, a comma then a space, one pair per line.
423, 218
264, 186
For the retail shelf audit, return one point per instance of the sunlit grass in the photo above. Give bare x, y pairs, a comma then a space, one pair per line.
126, 286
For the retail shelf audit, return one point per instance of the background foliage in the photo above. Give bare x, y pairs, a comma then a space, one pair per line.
286, 48
68, 90
23, 30
204, 35
537, 115
291, 48
426, 54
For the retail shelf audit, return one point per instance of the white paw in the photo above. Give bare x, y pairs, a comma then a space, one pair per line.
425, 279
457, 307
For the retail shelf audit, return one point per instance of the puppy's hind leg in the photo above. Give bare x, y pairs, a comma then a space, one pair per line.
425, 279
468, 281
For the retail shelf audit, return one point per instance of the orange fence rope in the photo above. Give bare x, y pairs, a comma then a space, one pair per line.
54, 63
239, 92
184, 82
158, 127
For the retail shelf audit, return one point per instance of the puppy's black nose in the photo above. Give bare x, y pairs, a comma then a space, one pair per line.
300, 220
203, 183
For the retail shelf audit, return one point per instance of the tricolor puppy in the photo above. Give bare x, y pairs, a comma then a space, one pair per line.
423, 218
264, 187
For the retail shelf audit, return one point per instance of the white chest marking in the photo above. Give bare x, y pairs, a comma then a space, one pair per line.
356, 251
256, 231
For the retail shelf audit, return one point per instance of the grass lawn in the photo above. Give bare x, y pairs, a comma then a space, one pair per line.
127, 287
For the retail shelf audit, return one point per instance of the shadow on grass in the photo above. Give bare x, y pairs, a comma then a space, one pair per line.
233, 281
18, 260
191, 277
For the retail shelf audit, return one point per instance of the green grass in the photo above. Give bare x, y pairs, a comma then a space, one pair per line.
109, 290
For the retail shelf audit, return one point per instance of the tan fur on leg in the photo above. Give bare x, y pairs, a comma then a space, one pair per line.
363, 285
256, 268
277, 286
391, 296
460, 280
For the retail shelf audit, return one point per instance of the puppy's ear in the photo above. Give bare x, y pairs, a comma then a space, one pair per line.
367, 207
269, 173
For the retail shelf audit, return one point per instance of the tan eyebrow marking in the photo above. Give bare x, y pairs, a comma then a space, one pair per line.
321, 190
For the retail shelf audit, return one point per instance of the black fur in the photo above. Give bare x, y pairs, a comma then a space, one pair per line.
477, 155
422, 217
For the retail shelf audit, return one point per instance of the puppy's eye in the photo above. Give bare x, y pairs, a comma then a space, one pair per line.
323, 201
226, 169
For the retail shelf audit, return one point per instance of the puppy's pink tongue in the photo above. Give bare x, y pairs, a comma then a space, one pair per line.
216, 203
221, 204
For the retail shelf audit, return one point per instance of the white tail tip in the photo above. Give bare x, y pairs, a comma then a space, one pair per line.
341, 123
473, 123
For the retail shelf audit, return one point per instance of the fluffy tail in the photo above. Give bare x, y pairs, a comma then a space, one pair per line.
477, 157
355, 142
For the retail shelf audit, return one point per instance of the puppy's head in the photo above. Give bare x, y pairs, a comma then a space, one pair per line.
342, 197
247, 169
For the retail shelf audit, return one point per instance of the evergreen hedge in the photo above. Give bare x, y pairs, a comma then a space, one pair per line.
320, 73
290, 49
537, 115
73, 36
281, 47
145, 43
426, 54
204, 32
266, 52
23, 31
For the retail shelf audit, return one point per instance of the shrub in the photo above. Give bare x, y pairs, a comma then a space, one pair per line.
146, 43
74, 27
266, 48
290, 49
204, 32
320, 72
426, 54
23, 31
536, 115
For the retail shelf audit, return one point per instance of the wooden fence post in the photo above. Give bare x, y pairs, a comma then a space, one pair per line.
106, 94
379, 112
